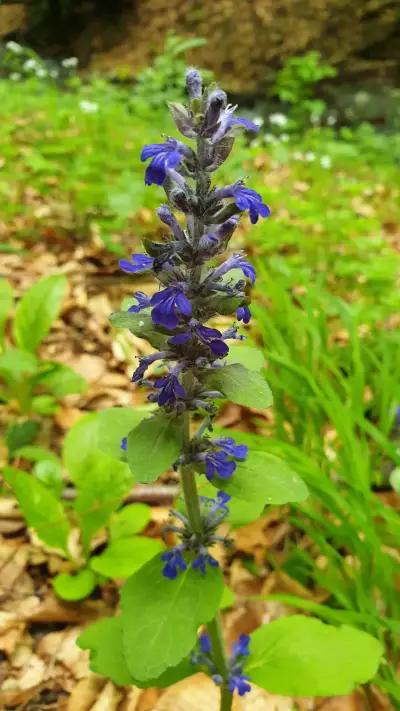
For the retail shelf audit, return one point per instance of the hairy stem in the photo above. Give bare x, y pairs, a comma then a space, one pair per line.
217, 641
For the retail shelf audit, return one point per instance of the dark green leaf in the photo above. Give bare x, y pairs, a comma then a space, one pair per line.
42, 510
302, 656
264, 479
37, 310
154, 445
76, 586
241, 385
125, 556
20, 434
161, 616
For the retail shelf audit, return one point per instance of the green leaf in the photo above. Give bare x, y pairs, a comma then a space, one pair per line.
37, 310
125, 556
129, 520
104, 640
32, 453
6, 304
61, 380
302, 656
44, 405
160, 617
241, 385
247, 356
141, 325
115, 423
15, 363
49, 472
101, 487
264, 479
228, 599
20, 434
240, 512
154, 445
76, 586
79, 444
42, 510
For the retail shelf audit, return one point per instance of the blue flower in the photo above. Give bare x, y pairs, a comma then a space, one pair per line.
174, 562
202, 560
211, 337
239, 683
227, 122
247, 199
171, 389
139, 263
228, 445
237, 261
124, 444
165, 156
220, 464
240, 648
143, 302
144, 363
243, 314
166, 306
205, 644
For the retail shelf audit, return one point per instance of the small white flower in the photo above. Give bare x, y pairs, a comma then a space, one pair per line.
258, 120
362, 97
278, 119
269, 138
88, 107
70, 62
14, 47
41, 73
325, 162
14, 76
54, 73
331, 120
297, 155
309, 156
29, 65
284, 137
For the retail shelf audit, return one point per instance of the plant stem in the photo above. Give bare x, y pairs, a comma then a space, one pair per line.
193, 511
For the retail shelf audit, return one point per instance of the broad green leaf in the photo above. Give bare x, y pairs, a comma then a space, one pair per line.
248, 356
154, 445
241, 385
104, 640
129, 520
6, 304
228, 599
125, 556
79, 444
37, 310
115, 423
101, 432
49, 472
42, 510
61, 380
141, 325
264, 479
101, 487
240, 512
76, 586
160, 617
44, 405
20, 434
302, 656
14, 363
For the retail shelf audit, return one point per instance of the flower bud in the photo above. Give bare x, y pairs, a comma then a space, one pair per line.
193, 84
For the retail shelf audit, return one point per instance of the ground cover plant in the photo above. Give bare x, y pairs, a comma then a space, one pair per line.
29, 384
186, 581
